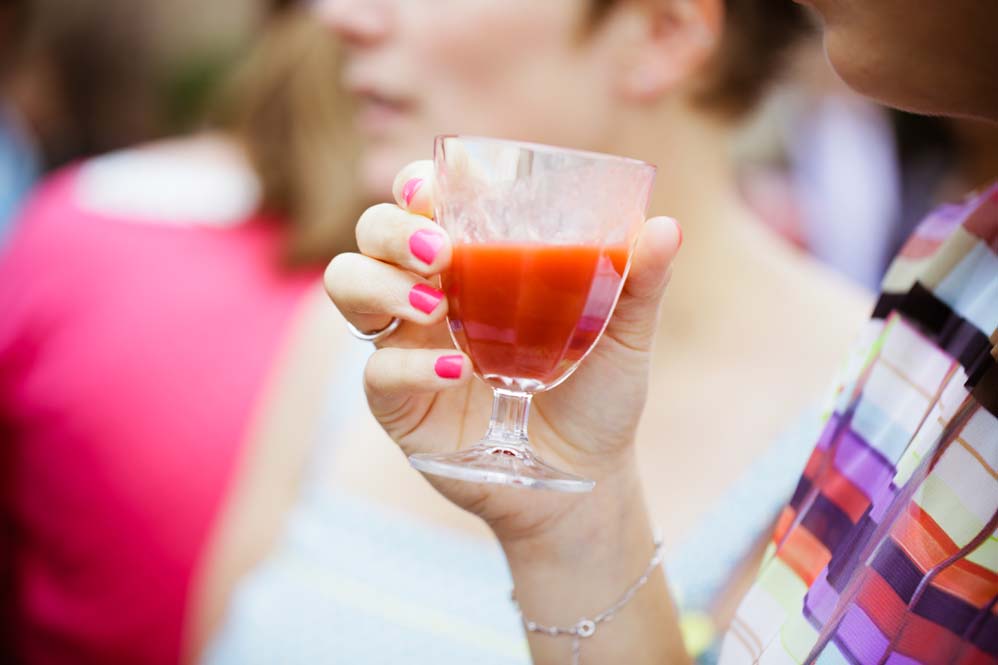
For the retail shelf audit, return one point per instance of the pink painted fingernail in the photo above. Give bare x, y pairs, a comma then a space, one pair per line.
425, 244
449, 367
410, 188
425, 298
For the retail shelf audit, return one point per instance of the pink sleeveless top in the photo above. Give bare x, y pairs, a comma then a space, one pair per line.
132, 358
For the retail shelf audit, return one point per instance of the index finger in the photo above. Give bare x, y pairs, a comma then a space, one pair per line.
411, 242
404, 234
413, 188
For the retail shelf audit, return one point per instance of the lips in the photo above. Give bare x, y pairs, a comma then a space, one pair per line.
378, 118
379, 107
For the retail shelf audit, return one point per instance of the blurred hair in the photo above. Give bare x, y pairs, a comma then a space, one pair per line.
285, 106
91, 60
756, 37
13, 20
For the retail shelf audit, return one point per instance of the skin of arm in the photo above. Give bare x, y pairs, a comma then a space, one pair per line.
582, 565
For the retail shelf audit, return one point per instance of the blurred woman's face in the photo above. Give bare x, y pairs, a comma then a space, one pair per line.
523, 69
930, 56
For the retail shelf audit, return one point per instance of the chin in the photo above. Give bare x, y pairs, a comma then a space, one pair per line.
876, 75
378, 167
868, 73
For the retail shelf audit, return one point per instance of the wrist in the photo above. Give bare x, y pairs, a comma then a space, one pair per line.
578, 568
599, 524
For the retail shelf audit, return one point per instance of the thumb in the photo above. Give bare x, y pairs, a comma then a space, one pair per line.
413, 188
636, 316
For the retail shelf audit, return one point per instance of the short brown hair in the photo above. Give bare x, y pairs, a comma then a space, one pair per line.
756, 36
287, 109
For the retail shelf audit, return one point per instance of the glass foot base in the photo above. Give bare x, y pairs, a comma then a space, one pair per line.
500, 464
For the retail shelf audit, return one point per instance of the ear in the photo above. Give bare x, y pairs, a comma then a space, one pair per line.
672, 39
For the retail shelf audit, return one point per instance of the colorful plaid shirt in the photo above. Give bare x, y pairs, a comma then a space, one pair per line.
888, 550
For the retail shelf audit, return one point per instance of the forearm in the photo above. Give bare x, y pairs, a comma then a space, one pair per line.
582, 565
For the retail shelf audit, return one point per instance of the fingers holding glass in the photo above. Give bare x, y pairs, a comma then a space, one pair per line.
394, 376
388, 233
413, 188
635, 318
369, 293
394, 372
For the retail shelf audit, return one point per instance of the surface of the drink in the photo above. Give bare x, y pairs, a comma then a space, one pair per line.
526, 314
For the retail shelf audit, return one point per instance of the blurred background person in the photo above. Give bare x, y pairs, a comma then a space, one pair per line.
373, 566
75, 80
84, 78
129, 397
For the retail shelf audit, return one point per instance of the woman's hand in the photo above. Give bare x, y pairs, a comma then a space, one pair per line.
423, 391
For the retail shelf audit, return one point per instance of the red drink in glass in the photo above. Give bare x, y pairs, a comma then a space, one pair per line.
541, 240
527, 314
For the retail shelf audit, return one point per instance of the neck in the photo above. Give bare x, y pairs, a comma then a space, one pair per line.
695, 174
696, 185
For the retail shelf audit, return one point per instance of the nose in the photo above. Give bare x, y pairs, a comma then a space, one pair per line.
356, 22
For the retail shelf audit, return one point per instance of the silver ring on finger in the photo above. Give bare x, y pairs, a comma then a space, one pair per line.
376, 335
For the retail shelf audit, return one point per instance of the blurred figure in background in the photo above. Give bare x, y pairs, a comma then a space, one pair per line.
83, 78
373, 565
76, 79
129, 397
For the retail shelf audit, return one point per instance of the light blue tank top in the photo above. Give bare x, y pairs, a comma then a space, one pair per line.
354, 582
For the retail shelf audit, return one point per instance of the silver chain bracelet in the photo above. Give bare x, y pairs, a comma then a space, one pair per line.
584, 627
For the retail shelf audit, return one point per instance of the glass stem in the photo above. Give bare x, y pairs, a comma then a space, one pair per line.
508, 425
